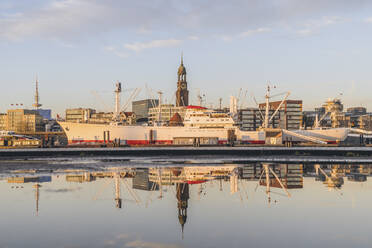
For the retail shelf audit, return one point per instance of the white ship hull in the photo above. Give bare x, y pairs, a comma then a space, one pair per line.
143, 135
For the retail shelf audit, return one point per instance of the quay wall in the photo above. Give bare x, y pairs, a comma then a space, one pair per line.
236, 152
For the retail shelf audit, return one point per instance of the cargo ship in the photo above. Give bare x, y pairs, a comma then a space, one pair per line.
200, 126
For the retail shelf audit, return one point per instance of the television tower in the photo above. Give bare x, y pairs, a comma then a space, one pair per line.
37, 105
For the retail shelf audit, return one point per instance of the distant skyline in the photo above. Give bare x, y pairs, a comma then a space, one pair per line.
315, 49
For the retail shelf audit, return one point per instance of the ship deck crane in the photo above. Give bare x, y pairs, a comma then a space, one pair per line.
267, 169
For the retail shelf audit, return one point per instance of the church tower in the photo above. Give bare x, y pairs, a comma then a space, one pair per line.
182, 94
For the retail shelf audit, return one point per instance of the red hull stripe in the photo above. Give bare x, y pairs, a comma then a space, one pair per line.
146, 142
196, 182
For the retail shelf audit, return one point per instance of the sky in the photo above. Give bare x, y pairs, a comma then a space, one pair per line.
78, 49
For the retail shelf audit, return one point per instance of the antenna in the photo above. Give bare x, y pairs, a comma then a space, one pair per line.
37, 105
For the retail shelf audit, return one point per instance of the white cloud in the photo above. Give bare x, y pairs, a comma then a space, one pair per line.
73, 19
313, 26
139, 46
245, 34
115, 51
254, 31
304, 32
56, 19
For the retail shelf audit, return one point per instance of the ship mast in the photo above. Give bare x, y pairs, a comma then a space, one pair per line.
160, 103
117, 101
267, 96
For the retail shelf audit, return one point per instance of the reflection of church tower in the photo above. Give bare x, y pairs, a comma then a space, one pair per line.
182, 197
182, 94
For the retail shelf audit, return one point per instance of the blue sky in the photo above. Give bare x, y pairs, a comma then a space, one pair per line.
315, 49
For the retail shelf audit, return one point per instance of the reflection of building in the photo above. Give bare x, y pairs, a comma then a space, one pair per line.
38, 179
183, 196
354, 177
190, 174
334, 177
141, 180
290, 175
250, 172
80, 178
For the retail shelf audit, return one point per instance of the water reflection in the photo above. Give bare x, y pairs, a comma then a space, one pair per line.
160, 179
185, 186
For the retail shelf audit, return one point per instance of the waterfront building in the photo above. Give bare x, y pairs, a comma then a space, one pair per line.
164, 113
45, 113
128, 118
250, 119
87, 115
79, 114
141, 107
289, 115
22, 120
331, 115
3, 121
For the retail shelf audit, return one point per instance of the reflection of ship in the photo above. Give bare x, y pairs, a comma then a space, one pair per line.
355, 177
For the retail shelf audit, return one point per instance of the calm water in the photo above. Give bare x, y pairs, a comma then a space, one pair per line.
151, 204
